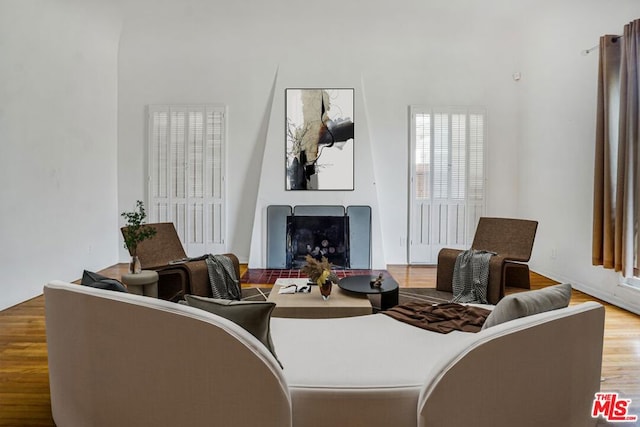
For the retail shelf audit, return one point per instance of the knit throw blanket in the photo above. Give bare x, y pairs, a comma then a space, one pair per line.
471, 276
222, 276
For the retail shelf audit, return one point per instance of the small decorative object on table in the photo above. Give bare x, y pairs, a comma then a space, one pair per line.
320, 273
376, 283
134, 233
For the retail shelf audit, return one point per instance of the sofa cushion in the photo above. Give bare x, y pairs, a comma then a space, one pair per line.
99, 281
254, 316
362, 352
523, 304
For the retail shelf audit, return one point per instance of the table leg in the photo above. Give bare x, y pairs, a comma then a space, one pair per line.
136, 289
151, 290
389, 299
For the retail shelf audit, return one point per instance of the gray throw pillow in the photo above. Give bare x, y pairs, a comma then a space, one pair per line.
95, 280
253, 316
523, 304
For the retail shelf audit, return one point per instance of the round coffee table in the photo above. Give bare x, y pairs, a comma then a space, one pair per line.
362, 285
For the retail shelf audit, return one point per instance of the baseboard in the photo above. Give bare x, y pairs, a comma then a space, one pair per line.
594, 292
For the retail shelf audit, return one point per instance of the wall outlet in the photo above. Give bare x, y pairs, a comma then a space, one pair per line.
554, 253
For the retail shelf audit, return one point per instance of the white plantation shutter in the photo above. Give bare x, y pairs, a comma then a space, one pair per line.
458, 156
215, 173
423, 155
158, 153
186, 174
476, 157
440, 156
447, 179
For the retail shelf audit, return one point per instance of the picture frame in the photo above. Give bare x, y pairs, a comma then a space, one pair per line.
320, 138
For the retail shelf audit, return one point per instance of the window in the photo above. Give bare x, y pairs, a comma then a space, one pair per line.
187, 173
447, 179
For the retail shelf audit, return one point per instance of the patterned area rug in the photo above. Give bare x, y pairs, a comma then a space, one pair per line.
255, 294
429, 295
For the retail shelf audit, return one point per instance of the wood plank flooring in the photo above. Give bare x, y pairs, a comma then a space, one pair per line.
24, 382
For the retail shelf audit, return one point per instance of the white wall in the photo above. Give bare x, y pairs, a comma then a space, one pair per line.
58, 88
558, 102
401, 53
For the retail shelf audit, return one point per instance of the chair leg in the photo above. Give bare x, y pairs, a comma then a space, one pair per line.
517, 275
171, 284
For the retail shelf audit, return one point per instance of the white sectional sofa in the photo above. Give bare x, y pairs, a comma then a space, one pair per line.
118, 359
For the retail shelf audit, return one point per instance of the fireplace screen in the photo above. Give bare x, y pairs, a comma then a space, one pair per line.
317, 236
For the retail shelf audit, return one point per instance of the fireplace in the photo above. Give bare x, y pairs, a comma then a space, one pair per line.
342, 233
318, 236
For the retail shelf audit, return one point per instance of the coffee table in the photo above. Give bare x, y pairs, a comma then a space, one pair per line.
310, 305
389, 291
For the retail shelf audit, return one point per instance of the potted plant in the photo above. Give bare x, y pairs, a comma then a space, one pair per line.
320, 273
134, 233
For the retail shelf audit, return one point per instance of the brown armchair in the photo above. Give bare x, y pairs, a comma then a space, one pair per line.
175, 280
512, 241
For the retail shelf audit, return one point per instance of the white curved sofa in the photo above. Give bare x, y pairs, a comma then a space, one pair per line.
127, 360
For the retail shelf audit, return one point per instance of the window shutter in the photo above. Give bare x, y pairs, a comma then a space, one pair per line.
158, 154
423, 155
186, 179
476, 156
441, 156
448, 179
214, 169
458, 158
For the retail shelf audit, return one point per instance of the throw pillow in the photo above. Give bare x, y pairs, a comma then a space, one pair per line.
527, 303
254, 316
96, 280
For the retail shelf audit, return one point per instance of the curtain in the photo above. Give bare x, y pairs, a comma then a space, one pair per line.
616, 198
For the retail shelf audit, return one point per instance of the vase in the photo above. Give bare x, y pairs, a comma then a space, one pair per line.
325, 289
134, 265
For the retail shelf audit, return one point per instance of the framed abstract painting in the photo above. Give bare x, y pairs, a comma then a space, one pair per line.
319, 139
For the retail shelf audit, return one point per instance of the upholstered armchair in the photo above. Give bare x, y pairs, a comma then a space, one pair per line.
512, 241
175, 279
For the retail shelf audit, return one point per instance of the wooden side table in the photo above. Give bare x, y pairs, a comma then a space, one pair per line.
143, 283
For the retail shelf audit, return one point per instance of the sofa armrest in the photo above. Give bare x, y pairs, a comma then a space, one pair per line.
538, 370
189, 366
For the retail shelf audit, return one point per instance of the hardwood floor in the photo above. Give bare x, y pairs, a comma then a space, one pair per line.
24, 382
24, 375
